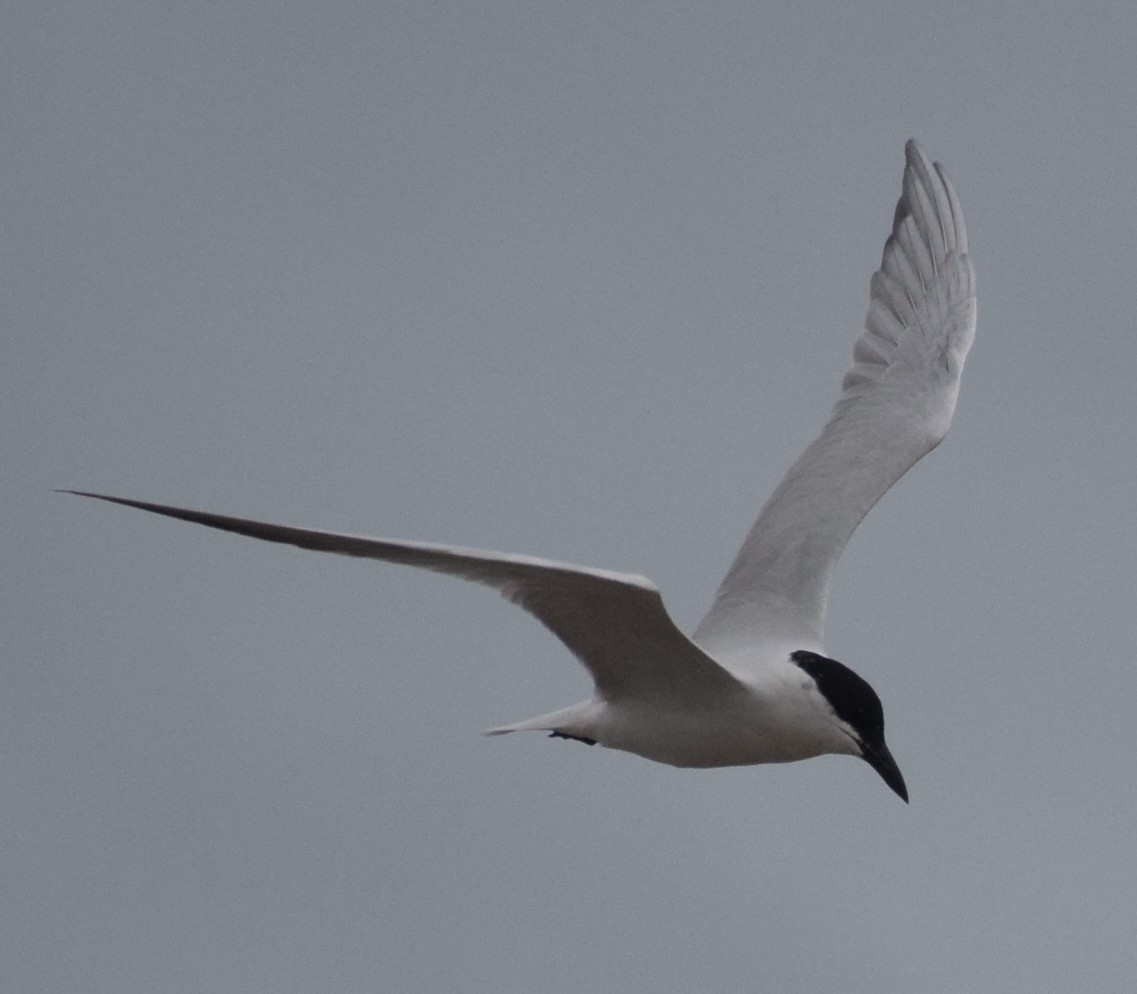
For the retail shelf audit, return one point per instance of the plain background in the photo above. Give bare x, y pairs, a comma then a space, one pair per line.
578, 280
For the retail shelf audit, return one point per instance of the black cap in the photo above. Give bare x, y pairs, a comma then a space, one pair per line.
856, 704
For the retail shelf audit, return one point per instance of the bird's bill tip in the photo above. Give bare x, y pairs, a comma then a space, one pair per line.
880, 759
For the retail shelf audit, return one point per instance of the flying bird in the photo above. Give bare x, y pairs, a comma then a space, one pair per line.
753, 683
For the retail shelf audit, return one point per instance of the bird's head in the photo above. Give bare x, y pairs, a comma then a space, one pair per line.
857, 710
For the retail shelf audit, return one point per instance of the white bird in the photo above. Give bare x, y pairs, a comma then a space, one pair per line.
753, 683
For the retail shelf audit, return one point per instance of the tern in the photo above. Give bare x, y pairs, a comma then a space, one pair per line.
753, 683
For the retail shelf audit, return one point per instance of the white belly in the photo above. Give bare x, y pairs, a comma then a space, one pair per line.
743, 733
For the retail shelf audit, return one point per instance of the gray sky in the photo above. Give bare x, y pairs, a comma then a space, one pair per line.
578, 280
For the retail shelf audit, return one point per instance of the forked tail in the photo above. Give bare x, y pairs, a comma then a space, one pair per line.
576, 722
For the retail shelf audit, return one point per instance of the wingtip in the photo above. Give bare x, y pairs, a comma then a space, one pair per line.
915, 158
914, 152
90, 493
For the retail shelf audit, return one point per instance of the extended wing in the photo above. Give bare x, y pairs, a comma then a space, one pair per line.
614, 623
896, 404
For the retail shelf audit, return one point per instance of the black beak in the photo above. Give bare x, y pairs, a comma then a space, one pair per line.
880, 759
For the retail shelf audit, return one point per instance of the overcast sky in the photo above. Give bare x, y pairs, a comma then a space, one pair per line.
578, 280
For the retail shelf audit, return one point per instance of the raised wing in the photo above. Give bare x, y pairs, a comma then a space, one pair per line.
614, 623
896, 404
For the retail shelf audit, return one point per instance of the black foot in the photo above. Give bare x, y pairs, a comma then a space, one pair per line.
575, 738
